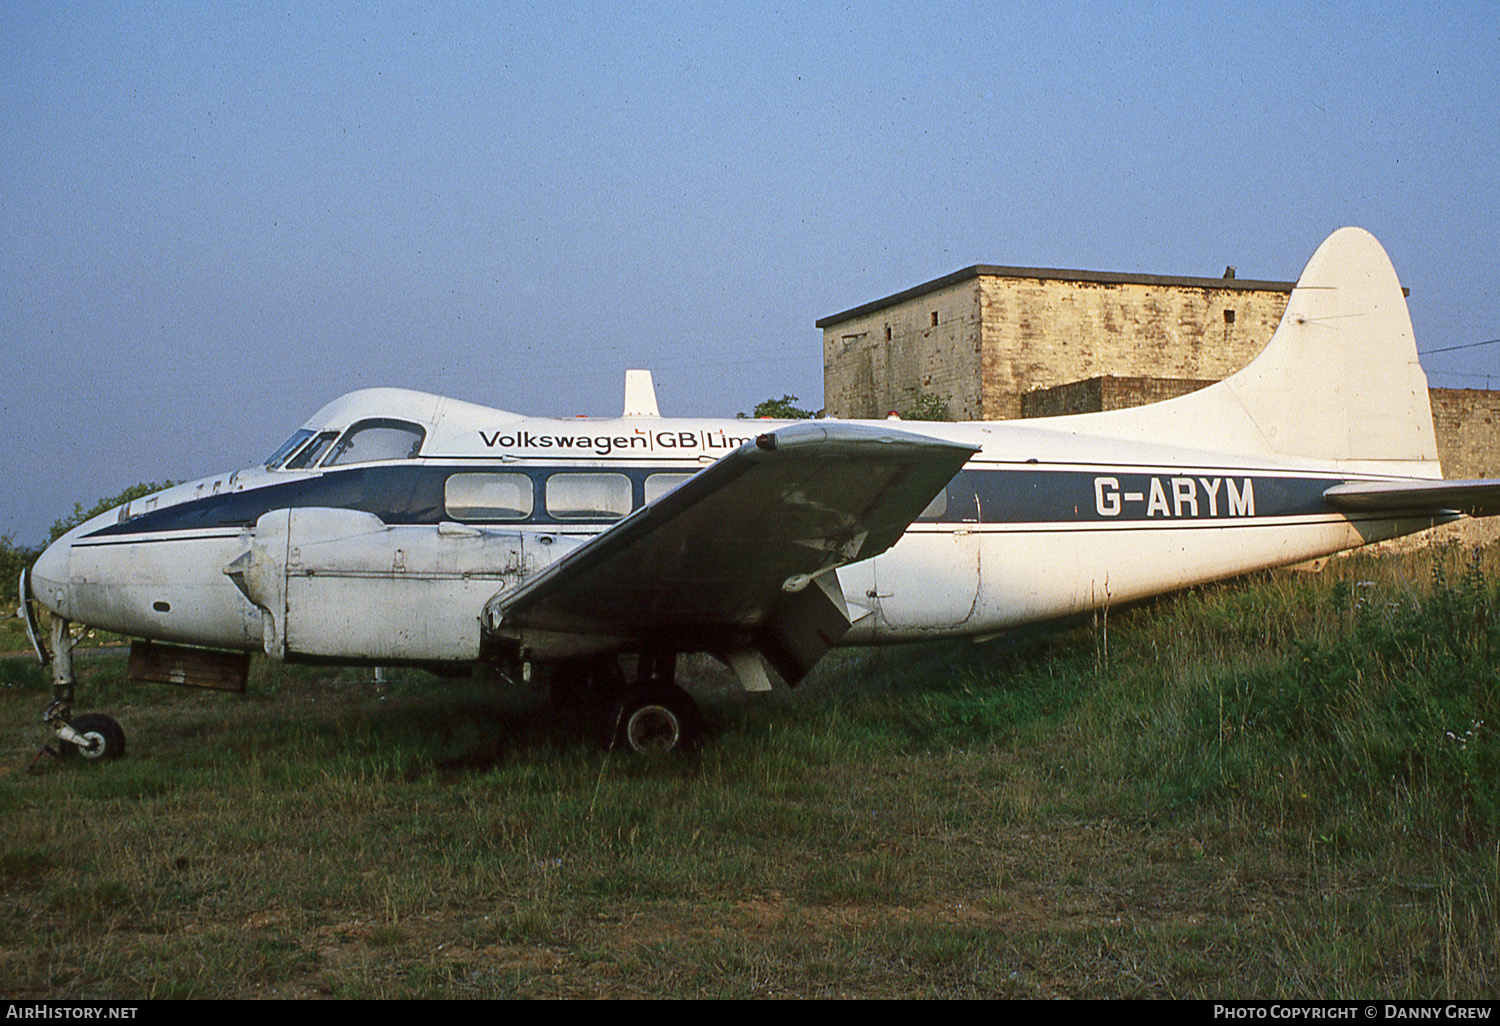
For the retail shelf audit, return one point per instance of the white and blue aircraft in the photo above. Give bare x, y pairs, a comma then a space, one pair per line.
397, 527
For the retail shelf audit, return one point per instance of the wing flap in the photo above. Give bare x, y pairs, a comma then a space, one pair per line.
727, 553
1477, 498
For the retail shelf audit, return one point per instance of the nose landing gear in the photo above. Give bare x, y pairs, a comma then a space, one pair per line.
91, 737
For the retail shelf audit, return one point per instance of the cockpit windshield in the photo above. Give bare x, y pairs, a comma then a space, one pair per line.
379, 439
298, 437
309, 454
366, 441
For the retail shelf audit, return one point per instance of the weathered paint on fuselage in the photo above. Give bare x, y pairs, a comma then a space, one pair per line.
1047, 520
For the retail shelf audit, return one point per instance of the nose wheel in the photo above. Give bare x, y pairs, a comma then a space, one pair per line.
95, 737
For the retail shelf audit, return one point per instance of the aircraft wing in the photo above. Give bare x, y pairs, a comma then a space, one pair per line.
1479, 498
730, 560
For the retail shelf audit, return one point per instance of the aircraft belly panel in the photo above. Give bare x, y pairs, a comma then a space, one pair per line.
1032, 575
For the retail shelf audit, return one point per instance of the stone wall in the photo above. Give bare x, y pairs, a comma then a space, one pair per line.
1467, 423
1040, 334
885, 361
1106, 393
983, 337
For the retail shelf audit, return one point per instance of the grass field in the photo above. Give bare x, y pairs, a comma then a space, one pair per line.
1285, 786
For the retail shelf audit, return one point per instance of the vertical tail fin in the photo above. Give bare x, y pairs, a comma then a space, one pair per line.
640, 395
1339, 381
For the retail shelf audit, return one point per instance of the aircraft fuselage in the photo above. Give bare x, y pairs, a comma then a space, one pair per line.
393, 559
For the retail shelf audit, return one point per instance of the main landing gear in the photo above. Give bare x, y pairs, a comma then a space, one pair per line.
648, 716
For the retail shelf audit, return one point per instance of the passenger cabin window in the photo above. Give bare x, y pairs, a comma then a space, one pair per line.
658, 485
588, 496
369, 440
298, 437
480, 497
310, 453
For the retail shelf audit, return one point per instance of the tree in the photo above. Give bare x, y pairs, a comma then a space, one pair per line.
784, 408
13, 558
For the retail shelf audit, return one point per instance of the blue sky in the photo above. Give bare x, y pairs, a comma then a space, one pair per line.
217, 217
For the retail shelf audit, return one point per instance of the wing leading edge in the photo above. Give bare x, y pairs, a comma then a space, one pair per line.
736, 558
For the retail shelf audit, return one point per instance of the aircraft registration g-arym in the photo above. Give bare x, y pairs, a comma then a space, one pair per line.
401, 528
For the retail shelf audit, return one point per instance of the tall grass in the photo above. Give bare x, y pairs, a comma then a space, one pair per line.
1284, 785
1356, 704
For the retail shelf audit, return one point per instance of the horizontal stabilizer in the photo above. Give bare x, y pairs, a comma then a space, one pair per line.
1480, 498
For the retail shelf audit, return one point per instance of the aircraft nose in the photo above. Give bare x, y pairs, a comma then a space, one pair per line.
49, 577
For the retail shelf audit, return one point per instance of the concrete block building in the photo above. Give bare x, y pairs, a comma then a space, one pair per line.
984, 337
999, 343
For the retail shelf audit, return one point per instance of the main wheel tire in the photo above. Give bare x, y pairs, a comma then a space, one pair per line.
105, 736
658, 720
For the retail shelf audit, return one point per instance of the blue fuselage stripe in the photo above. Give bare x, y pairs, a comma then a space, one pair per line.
986, 495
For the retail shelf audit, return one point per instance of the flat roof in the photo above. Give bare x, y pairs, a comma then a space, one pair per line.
1056, 274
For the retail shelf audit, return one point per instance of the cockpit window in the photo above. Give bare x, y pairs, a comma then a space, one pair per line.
298, 437
370, 440
308, 455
